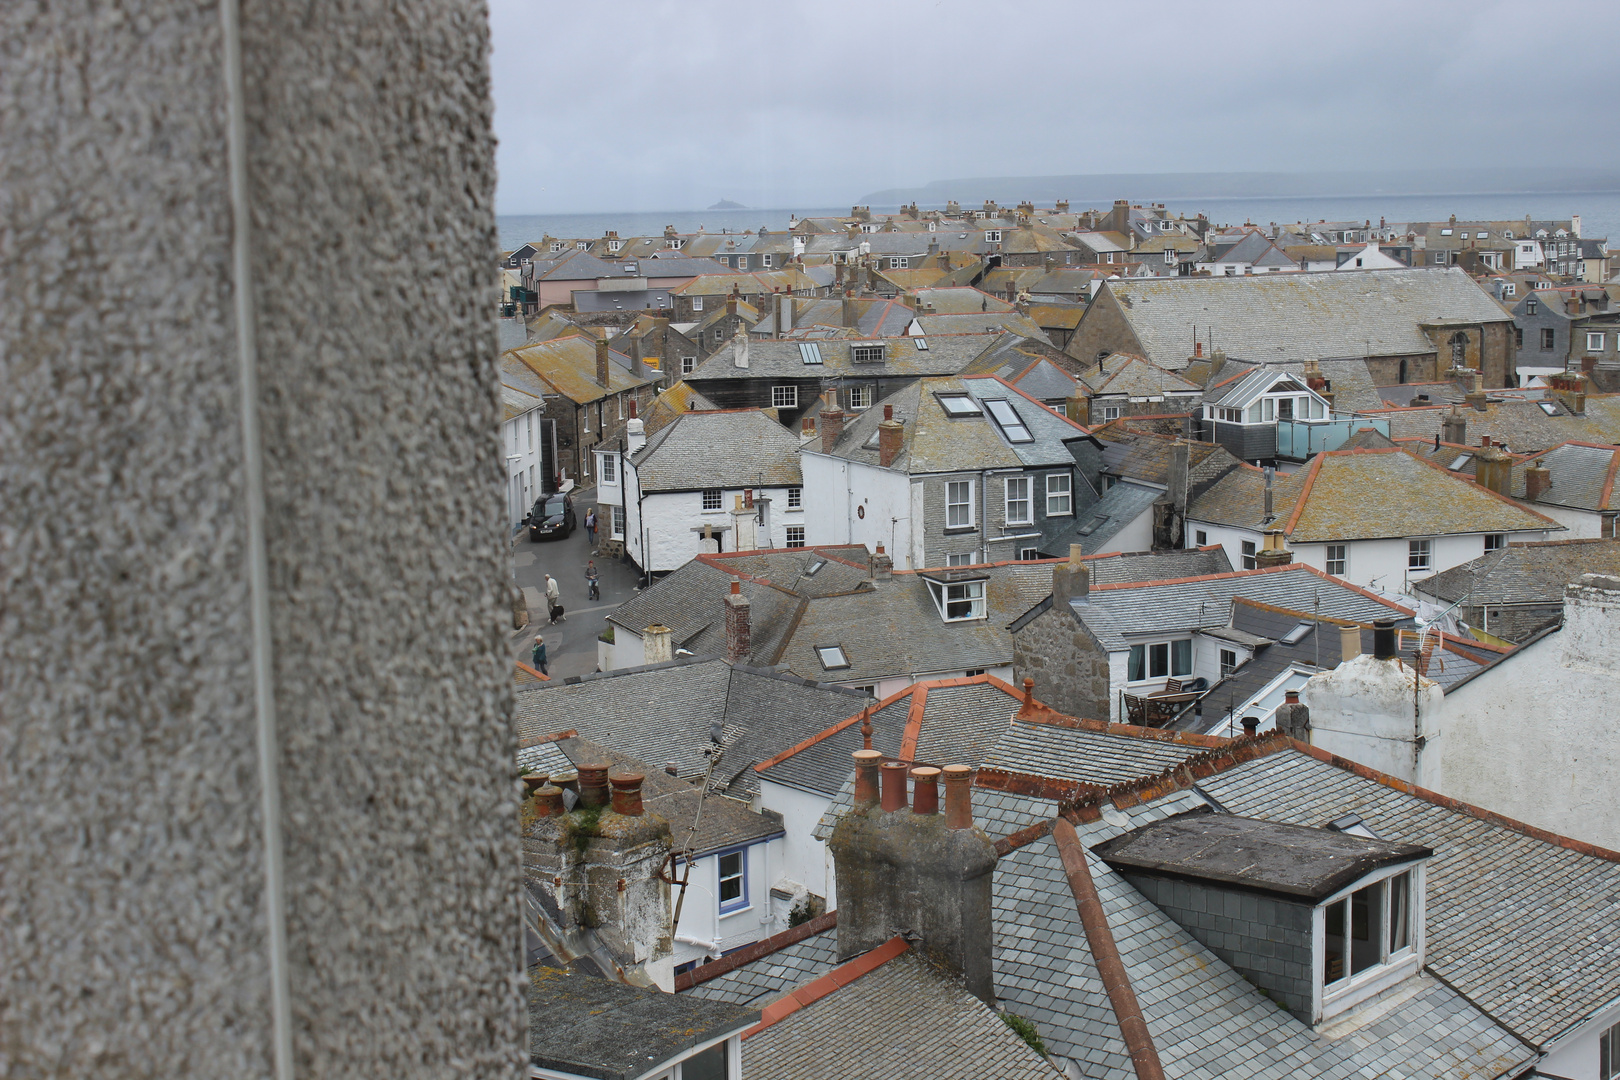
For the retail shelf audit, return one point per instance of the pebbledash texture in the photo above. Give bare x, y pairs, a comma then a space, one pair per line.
133, 849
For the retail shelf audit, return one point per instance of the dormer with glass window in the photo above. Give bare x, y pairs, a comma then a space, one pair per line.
1322, 919
958, 594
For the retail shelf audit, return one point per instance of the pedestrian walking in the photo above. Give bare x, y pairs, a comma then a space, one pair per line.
590, 526
538, 655
594, 576
554, 600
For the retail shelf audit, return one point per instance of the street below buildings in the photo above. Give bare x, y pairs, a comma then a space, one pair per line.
570, 645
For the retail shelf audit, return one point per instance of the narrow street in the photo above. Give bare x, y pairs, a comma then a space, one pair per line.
570, 645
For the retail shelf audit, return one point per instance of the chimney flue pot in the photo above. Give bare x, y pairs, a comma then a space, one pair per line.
1251, 725
893, 774
866, 778
958, 797
593, 786
925, 790
1384, 646
627, 794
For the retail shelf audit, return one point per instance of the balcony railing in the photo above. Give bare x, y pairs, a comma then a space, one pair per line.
1299, 439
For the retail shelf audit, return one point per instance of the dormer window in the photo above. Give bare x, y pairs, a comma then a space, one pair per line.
958, 596
1331, 917
992, 236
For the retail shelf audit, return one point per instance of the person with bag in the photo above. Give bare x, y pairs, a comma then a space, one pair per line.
594, 577
590, 526
554, 600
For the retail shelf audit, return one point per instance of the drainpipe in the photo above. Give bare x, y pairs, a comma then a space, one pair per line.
984, 513
1128, 1014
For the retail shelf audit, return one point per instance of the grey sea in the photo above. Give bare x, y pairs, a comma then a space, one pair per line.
1599, 212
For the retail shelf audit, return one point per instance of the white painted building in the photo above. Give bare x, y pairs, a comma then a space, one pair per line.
728, 898
1378, 518
524, 433
1370, 258
706, 482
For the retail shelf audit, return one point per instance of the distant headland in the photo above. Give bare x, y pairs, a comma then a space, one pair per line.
727, 204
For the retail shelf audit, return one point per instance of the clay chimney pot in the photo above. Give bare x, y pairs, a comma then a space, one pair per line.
593, 785
893, 774
627, 794
958, 797
866, 778
925, 790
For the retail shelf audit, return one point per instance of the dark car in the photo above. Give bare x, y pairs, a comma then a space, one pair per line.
552, 518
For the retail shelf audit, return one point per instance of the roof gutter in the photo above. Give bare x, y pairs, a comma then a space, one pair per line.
1144, 1056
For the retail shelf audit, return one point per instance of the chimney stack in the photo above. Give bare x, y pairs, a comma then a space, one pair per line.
891, 436
656, 644
602, 362
849, 314
916, 871
1071, 580
1273, 553
635, 432
1475, 398
1075, 407
738, 643
1180, 452
1454, 428
1294, 718
832, 422
1537, 479
882, 565
1493, 469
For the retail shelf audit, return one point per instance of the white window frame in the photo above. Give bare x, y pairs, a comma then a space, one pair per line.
795, 536
765, 261
1146, 653
970, 593
742, 262
741, 903
616, 522
1059, 503
688, 365
715, 496
992, 236
1594, 341
961, 508
585, 420
1110, 412
860, 397
606, 471
1609, 1053
1392, 967
1495, 542
1017, 494
1343, 560
697, 303
1419, 554
785, 397
1250, 554
795, 498
899, 262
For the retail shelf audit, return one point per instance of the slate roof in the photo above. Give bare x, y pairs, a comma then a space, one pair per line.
567, 365
961, 300
1271, 317
1136, 376
934, 441
679, 398
1082, 754
1044, 380
1359, 494
1177, 606
1521, 925
1516, 424
543, 757
1582, 476
977, 323
662, 713
905, 1020
1139, 455
945, 354
1524, 573
718, 449
1115, 568
605, 1029
761, 981
1206, 1020
1095, 527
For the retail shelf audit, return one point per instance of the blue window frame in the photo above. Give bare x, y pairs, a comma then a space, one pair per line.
732, 868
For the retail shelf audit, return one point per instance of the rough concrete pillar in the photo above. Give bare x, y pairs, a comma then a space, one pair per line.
254, 731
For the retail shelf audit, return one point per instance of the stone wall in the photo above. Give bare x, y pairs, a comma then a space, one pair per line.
255, 739
1068, 664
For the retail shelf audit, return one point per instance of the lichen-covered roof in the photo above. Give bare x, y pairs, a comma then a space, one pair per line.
567, 365
698, 450
1362, 494
1269, 317
1533, 573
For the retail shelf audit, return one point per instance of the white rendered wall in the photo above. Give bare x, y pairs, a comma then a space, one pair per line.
1582, 524
1531, 737
804, 858
672, 525
849, 502
700, 913
1576, 1055
1137, 536
1364, 710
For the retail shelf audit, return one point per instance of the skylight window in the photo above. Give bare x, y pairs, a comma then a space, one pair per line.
958, 405
921, 343
1462, 459
1093, 525
1012, 425
810, 352
815, 564
1297, 634
1547, 407
832, 656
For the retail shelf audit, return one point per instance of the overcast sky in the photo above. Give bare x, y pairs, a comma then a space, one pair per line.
644, 105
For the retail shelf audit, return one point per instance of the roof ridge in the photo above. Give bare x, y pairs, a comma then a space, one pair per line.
914, 719
836, 979
754, 951
525, 667
1435, 465
1304, 494
557, 736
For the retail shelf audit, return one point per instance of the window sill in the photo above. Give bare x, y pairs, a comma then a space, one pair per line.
1060, 513
727, 913
961, 530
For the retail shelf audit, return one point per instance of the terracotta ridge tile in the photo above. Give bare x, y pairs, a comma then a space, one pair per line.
536, 740
914, 719
836, 979
525, 667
